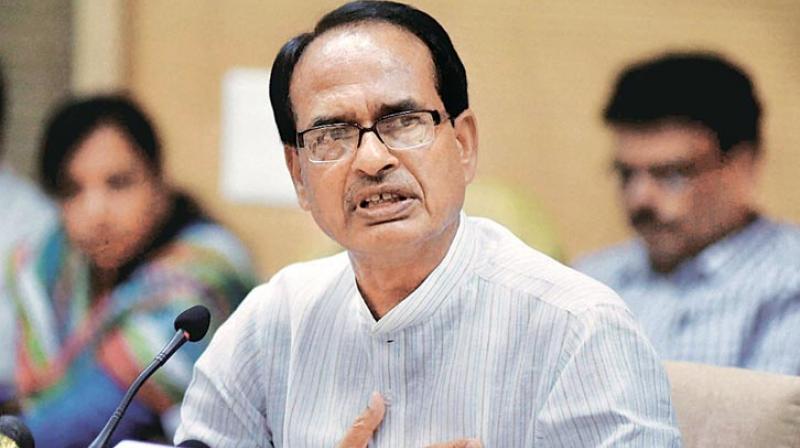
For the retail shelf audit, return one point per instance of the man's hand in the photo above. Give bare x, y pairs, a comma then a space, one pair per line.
365, 425
360, 433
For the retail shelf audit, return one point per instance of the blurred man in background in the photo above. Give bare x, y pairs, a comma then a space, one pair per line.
25, 213
709, 277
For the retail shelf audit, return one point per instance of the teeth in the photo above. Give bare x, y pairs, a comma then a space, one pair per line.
379, 198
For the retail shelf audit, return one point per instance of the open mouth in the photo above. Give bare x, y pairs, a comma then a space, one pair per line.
380, 199
384, 205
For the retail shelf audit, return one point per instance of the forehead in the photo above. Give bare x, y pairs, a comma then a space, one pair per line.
104, 149
662, 144
354, 70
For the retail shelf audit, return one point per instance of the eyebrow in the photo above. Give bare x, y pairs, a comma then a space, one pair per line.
383, 110
400, 106
617, 165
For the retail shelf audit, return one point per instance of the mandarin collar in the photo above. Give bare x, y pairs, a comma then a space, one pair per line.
437, 288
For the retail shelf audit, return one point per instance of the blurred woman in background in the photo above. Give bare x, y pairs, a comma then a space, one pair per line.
96, 301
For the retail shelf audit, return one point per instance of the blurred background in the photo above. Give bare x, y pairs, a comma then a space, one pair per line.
539, 74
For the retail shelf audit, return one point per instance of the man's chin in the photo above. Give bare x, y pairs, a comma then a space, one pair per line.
664, 256
386, 237
381, 234
659, 237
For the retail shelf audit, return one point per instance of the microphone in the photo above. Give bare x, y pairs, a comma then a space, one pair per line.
192, 444
190, 325
14, 433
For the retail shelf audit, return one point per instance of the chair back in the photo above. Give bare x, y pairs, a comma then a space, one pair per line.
731, 407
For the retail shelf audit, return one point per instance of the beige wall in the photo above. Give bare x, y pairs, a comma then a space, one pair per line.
539, 73
35, 53
99, 46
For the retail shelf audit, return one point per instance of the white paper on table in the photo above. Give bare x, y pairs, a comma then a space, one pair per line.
253, 167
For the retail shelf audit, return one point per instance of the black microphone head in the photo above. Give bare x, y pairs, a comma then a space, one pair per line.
193, 444
194, 321
12, 428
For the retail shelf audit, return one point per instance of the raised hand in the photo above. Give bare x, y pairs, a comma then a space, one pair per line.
364, 426
460, 443
362, 429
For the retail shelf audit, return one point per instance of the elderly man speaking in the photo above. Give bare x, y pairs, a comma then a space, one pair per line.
448, 329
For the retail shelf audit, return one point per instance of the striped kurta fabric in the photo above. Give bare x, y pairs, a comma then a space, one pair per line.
737, 303
500, 343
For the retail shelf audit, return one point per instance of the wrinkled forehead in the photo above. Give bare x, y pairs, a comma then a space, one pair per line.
367, 64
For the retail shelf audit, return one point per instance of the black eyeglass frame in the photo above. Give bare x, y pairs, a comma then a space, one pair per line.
437, 120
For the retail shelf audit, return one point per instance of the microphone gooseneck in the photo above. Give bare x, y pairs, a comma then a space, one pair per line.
190, 325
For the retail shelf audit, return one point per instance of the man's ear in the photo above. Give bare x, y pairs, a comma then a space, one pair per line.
743, 167
466, 130
293, 164
746, 160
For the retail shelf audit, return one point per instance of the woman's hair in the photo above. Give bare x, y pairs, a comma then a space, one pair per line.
72, 122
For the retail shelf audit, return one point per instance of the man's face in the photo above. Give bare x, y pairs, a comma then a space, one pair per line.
679, 193
357, 75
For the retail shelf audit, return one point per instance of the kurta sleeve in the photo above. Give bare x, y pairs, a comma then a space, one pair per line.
611, 389
245, 366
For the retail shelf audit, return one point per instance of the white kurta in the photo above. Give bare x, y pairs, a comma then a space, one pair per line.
500, 343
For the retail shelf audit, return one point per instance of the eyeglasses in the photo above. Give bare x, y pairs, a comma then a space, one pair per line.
672, 177
400, 131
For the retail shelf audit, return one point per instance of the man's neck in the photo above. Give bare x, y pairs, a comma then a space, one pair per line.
669, 266
386, 278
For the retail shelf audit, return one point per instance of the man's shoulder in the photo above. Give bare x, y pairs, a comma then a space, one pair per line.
773, 256
786, 239
511, 264
767, 250
300, 282
316, 271
610, 262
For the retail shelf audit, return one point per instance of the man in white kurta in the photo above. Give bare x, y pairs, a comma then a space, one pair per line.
500, 343
449, 329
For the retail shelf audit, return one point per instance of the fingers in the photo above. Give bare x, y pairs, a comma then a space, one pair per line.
361, 431
460, 443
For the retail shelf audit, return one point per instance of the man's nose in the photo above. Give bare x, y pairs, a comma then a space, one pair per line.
373, 157
640, 190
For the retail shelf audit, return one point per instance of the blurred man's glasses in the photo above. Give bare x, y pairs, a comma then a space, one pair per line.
674, 176
400, 131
